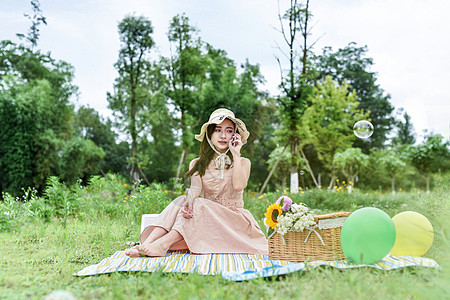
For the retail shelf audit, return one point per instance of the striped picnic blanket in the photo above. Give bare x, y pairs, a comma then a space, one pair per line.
236, 267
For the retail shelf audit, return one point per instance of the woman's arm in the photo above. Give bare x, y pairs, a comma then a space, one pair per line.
194, 191
241, 169
241, 172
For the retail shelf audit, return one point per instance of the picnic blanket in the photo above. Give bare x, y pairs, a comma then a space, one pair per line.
235, 267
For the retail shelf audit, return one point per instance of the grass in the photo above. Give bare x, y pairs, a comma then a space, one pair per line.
38, 255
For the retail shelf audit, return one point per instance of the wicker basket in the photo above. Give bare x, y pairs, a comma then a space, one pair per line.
300, 246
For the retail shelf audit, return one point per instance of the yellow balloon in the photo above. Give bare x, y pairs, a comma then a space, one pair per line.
414, 234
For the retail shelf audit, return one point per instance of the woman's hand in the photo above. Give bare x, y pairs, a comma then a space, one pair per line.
235, 144
187, 210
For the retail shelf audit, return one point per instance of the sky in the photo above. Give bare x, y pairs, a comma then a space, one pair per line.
408, 40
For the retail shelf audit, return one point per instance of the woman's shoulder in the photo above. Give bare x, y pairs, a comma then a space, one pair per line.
191, 164
245, 161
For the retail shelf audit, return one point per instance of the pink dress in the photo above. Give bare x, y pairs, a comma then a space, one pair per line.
220, 223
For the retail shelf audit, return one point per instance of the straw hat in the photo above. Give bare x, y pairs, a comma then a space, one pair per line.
217, 117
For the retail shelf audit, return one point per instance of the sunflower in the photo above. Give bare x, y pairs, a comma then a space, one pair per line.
272, 214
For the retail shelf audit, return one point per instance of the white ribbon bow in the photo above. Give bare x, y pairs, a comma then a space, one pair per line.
311, 229
221, 160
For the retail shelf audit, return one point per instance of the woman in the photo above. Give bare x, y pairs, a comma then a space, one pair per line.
216, 222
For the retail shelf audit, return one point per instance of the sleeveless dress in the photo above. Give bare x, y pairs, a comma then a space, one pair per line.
220, 223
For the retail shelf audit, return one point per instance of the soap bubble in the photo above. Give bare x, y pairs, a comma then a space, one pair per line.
363, 129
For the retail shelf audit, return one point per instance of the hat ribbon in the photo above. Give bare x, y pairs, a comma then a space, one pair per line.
222, 160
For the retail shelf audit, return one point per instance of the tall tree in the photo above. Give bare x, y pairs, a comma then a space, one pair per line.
404, 130
328, 121
351, 65
159, 151
186, 71
130, 92
296, 84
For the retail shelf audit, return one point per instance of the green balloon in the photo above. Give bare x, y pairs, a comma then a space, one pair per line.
367, 235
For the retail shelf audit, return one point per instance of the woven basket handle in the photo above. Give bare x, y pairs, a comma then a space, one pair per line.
332, 216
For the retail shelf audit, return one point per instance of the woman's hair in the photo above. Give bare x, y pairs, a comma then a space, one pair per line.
206, 155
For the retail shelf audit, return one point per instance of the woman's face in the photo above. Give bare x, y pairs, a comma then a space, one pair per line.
222, 134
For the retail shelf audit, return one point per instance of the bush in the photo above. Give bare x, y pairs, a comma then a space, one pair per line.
15, 211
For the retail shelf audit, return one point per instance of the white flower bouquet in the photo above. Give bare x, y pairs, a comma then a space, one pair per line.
289, 217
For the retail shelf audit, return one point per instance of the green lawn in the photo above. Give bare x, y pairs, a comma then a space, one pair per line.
39, 257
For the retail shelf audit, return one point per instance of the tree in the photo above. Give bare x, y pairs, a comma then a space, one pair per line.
351, 65
405, 130
282, 158
159, 151
89, 125
80, 158
186, 72
432, 156
350, 163
130, 92
393, 164
328, 121
36, 20
295, 86
35, 115
31, 133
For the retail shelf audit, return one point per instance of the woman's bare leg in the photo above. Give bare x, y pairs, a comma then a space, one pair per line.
161, 246
156, 233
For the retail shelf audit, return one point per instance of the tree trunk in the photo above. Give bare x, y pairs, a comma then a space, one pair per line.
134, 168
294, 167
393, 185
145, 177
180, 163
309, 167
333, 178
183, 153
272, 170
428, 183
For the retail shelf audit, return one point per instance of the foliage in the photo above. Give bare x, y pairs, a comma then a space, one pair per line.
36, 20
329, 120
131, 96
350, 163
89, 125
375, 176
404, 130
431, 156
80, 158
283, 167
296, 85
393, 164
349, 64
35, 115
186, 72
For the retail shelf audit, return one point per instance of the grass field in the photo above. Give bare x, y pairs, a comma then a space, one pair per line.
41, 249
